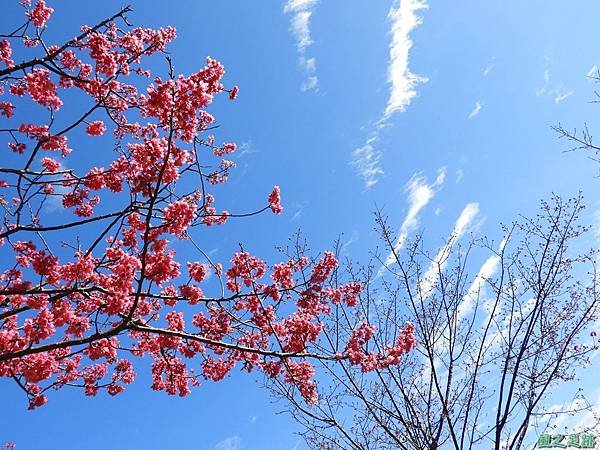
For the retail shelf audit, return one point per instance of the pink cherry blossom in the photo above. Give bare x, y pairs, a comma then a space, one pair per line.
5, 53
50, 165
40, 13
111, 286
96, 128
275, 201
41, 89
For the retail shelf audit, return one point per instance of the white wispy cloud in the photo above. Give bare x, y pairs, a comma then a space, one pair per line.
404, 18
488, 69
402, 81
229, 443
367, 159
354, 236
503, 327
301, 11
441, 259
560, 97
245, 148
475, 111
296, 215
542, 90
419, 194
555, 90
487, 270
299, 210
459, 175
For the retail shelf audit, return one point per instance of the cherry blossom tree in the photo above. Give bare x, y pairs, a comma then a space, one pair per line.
91, 280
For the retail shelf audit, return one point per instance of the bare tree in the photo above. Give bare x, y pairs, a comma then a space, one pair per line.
493, 347
582, 139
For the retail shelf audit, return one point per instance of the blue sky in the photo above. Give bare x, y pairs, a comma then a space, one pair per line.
428, 110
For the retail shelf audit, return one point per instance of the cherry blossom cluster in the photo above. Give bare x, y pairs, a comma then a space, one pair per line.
369, 361
86, 291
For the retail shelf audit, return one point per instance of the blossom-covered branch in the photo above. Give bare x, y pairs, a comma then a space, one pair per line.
82, 297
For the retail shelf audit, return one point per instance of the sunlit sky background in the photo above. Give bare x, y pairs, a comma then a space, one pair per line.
428, 110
